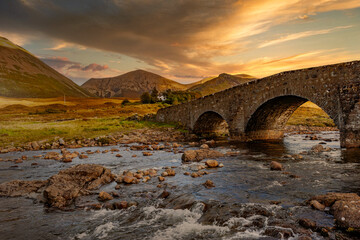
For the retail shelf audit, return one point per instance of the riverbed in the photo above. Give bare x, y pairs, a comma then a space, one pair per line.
249, 201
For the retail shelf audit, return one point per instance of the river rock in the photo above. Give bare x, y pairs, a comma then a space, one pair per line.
152, 172
197, 167
198, 155
73, 182
128, 173
318, 148
35, 146
121, 205
347, 214
138, 147
209, 184
307, 223
147, 154
164, 194
161, 178
53, 155
176, 145
316, 205
138, 175
194, 175
61, 141
204, 146
170, 172
344, 206
330, 198
83, 156
146, 178
104, 196
276, 166
212, 163
129, 179
19, 188
67, 160
119, 179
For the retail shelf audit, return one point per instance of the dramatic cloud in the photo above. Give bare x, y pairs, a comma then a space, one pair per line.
301, 35
58, 62
174, 37
79, 72
63, 62
91, 67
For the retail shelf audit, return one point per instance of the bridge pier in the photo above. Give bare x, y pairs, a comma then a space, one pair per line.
350, 138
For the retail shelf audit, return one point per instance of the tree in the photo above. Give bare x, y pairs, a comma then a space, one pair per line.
175, 101
145, 98
154, 95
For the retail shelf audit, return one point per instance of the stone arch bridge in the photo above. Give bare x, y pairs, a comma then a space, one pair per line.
259, 110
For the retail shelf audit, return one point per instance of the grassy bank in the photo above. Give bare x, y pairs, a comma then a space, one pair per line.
34, 120
27, 120
310, 114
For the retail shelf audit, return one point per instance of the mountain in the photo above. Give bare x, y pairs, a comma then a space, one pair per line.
220, 83
204, 80
22, 75
131, 84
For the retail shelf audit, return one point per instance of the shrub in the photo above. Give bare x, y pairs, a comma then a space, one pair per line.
125, 101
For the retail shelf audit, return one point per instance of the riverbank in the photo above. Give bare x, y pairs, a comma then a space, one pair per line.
30, 124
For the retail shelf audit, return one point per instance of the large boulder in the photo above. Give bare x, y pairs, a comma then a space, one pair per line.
330, 198
344, 206
198, 155
73, 182
347, 214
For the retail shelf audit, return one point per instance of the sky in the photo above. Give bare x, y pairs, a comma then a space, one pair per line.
183, 40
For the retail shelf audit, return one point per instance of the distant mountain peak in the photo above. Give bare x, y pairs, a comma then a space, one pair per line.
131, 84
24, 75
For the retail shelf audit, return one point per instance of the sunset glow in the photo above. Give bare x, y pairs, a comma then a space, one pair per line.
183, 40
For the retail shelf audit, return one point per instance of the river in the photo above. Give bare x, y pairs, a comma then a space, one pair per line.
248, 201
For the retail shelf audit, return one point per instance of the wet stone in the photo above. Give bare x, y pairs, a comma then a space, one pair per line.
276, 166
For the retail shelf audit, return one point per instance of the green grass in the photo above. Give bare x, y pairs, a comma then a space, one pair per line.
308, 116
23, 132
47, 119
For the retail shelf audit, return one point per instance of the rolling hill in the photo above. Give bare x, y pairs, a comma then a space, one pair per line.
22, 75
131, 84
220, 83
135, 83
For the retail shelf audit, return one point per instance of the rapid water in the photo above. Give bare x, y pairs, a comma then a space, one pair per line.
248, 202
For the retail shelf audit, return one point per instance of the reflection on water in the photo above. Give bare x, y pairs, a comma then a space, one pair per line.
245, 189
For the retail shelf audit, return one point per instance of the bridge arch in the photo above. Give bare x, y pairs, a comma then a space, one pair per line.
211, 123
268, 121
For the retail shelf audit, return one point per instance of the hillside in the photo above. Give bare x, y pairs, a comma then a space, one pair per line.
135, 83
220, 83
131, 84
24, 75
204, 80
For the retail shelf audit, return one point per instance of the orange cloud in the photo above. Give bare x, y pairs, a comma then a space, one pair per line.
299, 35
